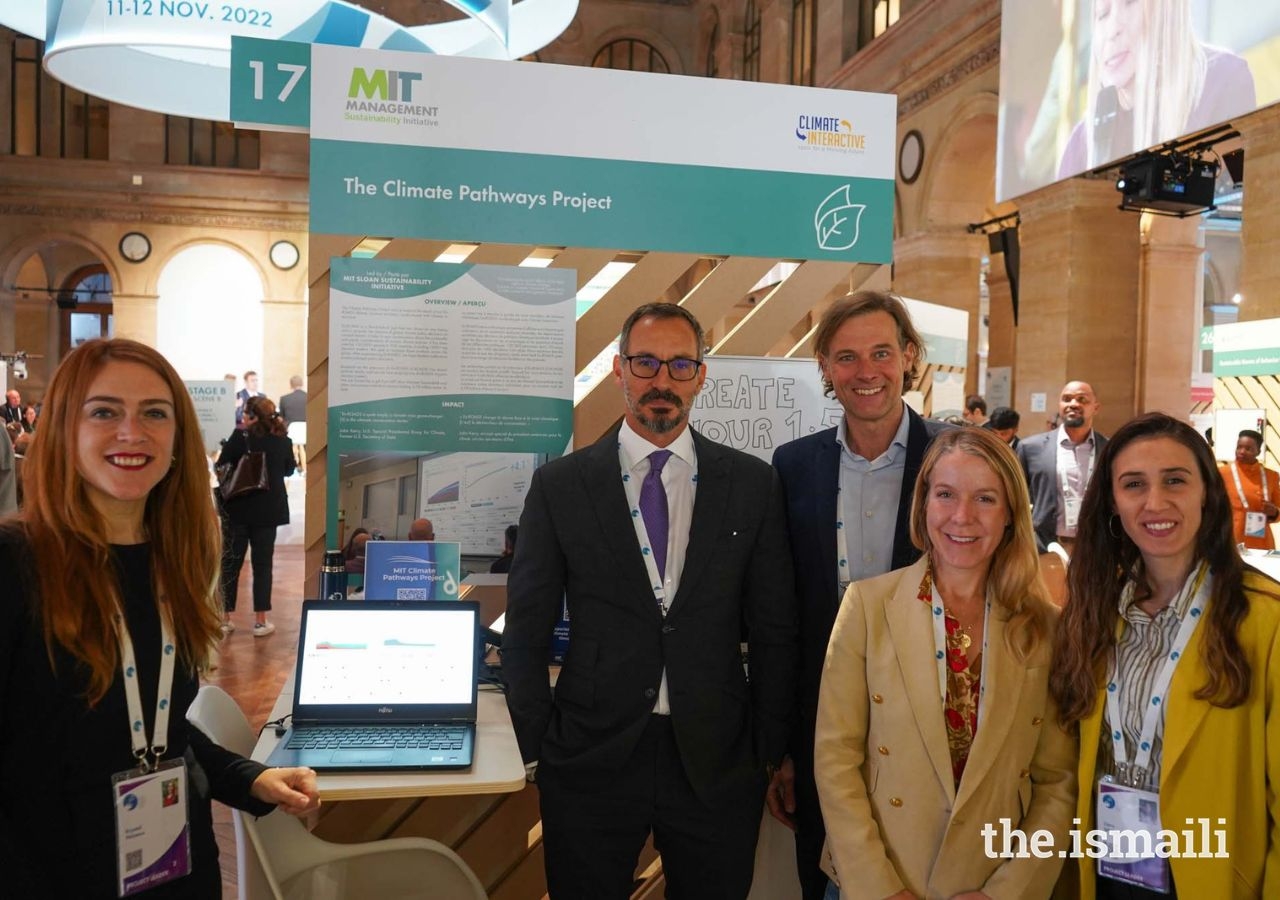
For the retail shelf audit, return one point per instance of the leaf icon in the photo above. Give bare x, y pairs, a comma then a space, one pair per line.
837, 220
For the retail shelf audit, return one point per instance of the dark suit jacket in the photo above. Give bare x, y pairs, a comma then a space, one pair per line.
810, 471
577, 541
1039, 457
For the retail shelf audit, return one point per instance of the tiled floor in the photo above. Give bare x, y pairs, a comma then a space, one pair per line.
252, 670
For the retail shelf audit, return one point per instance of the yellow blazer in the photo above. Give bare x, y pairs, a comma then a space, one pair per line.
1216, 764
894, 817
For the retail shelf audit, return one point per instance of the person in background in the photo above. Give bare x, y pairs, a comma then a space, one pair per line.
422, 530
1167, 658
975, 410
355, 562
29, 416
1059, 463
1254, 491
116, 556
349, 551
293, 409
251, 520
933, 717
12, 409
503, 562
243, 396
848, 493
1004, 422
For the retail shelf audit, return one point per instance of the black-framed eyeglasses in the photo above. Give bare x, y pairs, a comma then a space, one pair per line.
681, 368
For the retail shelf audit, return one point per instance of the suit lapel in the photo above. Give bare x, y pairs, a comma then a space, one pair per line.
710, 499
1183, 713
1002, 678
826, 472
602, 476
911, 629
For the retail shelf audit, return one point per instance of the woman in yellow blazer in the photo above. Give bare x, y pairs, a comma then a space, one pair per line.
934, 722
1157, 589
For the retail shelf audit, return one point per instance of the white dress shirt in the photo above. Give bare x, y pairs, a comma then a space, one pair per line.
679, 480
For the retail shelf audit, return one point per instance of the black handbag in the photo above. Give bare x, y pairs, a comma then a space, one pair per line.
248, 476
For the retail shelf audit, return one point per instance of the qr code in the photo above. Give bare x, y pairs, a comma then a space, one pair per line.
133, 860
411, 593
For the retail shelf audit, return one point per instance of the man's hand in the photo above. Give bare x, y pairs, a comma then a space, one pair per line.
781, 794
293, 789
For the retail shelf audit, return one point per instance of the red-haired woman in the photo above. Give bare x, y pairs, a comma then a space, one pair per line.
108, 614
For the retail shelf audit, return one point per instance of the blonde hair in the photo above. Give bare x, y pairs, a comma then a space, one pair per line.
1013, 579
1168, 79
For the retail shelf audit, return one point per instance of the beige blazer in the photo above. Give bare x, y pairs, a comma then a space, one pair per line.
894, 817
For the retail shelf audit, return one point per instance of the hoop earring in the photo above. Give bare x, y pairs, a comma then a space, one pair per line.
1112, 527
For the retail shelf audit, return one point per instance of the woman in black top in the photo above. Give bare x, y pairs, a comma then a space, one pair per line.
251, 520
116, 545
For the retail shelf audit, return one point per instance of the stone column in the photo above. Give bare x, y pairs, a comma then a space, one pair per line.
1172, 286
1260, 227
1078, 315
134, 316
284, 338
944, 267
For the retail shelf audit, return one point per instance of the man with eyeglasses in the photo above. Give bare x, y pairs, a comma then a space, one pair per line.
669, 550
848, 492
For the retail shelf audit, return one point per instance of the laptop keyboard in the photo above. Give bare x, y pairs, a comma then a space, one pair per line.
382, 737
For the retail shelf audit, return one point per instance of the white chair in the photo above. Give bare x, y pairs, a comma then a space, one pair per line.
280, 858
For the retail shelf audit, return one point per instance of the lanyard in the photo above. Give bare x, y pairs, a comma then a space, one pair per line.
940, 647
129, 667
630, 487
1262, 471
1084, 476
1135, 774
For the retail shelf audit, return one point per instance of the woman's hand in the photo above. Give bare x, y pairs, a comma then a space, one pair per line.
292, 790
971, 895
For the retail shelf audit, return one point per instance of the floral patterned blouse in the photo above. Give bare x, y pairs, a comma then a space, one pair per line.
963, 685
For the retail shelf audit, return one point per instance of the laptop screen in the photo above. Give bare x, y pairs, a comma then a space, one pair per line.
389, 656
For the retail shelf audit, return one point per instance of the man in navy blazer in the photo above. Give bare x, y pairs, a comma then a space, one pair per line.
653, 725
869, 352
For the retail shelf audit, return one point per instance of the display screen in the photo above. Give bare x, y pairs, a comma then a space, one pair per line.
1087, 82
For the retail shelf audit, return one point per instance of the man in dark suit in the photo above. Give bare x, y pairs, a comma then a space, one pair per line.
1059, 463
12, 409
848, 493
243, 395
669, 550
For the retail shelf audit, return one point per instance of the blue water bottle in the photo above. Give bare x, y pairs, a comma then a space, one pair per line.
333, 576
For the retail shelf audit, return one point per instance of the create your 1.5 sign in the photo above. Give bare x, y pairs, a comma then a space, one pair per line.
446, 148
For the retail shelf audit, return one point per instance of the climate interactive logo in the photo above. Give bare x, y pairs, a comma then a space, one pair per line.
829, 133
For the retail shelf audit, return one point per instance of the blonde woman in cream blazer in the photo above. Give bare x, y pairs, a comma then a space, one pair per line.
904, 801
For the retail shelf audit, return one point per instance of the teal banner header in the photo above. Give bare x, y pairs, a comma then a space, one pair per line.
425, 192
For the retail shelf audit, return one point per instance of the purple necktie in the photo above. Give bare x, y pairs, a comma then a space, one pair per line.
653, 507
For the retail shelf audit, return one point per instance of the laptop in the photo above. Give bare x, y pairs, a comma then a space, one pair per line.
383, 685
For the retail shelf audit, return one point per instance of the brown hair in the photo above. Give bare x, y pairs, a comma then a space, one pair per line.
1105, 558
861, 303
268, 420
1014, 575
68, 538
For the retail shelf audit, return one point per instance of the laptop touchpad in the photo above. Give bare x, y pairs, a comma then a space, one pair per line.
361, 756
